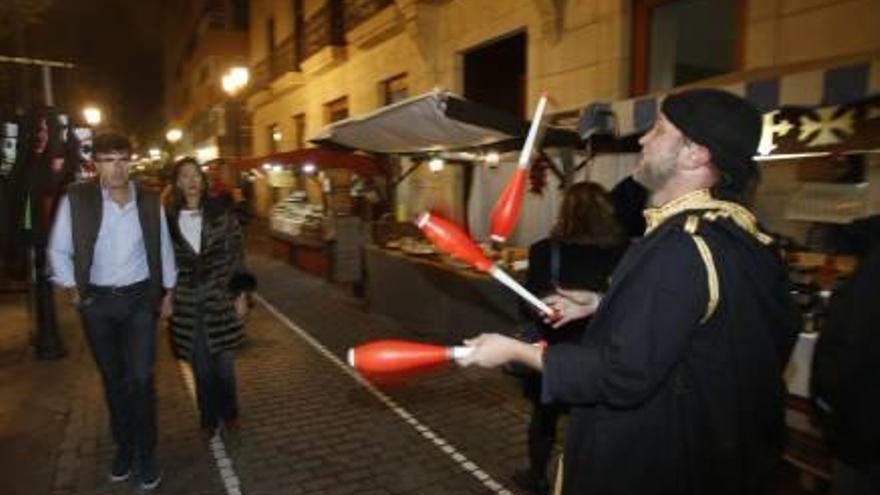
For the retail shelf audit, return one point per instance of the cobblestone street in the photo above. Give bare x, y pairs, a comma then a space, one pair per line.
309, 424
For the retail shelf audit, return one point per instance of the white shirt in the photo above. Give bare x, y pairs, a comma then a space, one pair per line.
190, 222
120, 257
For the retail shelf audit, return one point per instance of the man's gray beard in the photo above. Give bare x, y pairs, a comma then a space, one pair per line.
651, 178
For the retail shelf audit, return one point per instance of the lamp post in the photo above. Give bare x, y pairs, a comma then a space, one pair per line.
234, 81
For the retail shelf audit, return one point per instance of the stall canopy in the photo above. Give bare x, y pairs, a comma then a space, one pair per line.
434, 122
837, 83
320, 157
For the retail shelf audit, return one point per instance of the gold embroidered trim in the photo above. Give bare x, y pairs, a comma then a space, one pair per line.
690, 201
711, 274
557, 485
702, 200
692, 224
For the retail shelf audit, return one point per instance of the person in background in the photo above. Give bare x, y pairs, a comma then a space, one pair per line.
630, 199
582, 250
845, 376
110, 247
676, 386
211, 299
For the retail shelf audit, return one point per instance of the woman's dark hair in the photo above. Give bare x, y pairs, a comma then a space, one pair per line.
587, 217
177, 199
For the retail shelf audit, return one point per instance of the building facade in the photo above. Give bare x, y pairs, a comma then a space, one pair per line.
316, 61
203, 39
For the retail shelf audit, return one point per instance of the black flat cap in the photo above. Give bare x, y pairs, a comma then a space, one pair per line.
727, 125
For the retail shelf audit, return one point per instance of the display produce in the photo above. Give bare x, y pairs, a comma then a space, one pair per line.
295, 216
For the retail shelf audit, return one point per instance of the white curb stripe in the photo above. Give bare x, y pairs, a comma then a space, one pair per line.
224, 464
442, 444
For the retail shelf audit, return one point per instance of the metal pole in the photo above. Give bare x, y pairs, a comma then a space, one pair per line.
236, 128
47, 340
47, 86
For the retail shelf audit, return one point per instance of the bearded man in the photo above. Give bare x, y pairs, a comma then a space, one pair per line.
676, 386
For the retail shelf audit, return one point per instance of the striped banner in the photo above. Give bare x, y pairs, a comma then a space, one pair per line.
831, 86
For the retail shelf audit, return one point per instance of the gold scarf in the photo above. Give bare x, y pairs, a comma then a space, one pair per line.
701, 199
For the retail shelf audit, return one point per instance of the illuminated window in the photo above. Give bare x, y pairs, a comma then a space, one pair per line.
394, 89
274, 134
336, 110
299, 130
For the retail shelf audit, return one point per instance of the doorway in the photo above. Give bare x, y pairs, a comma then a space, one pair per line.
495, 74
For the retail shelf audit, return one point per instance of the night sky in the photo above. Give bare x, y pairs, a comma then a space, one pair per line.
116, 45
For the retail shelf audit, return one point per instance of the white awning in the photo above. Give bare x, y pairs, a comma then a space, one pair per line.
433, 122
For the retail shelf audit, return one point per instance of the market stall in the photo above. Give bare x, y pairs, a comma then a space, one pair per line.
444, 145
320, 203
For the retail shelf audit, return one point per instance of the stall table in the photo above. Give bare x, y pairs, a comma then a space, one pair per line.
437, 300
805, 447
336, 256
309, 255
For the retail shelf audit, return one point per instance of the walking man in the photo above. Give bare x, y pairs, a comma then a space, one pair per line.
111, 249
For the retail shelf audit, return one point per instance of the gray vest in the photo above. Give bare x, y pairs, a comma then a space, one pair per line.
86, 211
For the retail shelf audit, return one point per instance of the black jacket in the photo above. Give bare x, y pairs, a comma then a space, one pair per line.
845, 378
663, 401
208, 282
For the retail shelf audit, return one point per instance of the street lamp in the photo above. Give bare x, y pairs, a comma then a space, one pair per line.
92, 115
234, 81
173, 135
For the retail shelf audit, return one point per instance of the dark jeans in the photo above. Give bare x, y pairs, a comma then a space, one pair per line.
121, 331
542, 424
215, 383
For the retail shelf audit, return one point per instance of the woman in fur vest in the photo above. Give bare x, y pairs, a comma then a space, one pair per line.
211, 297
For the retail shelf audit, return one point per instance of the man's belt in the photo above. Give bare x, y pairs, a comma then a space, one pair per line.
119, 290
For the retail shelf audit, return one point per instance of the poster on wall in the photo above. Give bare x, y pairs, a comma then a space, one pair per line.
8, 148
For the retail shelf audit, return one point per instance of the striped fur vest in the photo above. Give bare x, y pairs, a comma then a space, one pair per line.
208, 282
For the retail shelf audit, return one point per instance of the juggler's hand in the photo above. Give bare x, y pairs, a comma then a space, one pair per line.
571, 305
492, 350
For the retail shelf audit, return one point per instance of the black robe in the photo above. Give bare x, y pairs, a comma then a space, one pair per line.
664, 403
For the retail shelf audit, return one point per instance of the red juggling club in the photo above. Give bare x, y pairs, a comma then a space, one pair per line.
388, 356
506, 211
451, 239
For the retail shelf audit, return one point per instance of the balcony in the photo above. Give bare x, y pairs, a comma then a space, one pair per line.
370, 22
322, 40
211, 21
321, 30
282, 64
356, 12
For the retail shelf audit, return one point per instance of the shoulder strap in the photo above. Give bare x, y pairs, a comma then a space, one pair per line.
691, 226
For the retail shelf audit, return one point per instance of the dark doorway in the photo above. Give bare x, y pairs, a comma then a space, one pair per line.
495, 74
